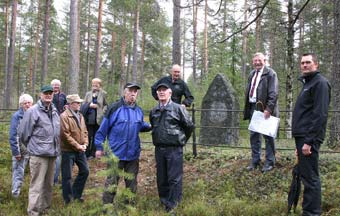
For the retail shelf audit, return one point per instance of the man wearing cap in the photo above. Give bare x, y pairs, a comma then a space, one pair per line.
171, 129
178, 86
121, 124
19, 152
39, 130
74, 140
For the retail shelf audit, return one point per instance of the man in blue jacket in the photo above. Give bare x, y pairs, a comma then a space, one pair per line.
309, 128
19, 152
121, 124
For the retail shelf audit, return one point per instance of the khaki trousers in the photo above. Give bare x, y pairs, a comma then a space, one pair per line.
40, 191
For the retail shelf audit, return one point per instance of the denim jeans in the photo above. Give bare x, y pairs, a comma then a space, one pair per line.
57, 170
18, 171
75, 190
169, 164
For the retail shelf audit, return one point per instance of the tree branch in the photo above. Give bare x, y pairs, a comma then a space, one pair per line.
245, 27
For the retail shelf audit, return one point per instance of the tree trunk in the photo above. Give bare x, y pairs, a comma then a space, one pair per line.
135, 44
6, 44
176, 33
142, 60
74, 47
205, 40
122, 78
88, 44
11, 57
290, 64
244, 58
258, 28
99, 39
194, 21
113, 64
45, 42
334, 138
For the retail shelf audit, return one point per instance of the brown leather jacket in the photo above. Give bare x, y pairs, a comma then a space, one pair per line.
72, 132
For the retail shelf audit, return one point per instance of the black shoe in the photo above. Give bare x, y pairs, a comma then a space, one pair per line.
267, 168
251, 167
81, 200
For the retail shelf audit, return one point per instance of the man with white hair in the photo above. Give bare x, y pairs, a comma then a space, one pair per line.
20, 155
59, 98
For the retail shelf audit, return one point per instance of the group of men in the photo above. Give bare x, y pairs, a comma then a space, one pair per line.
54, 127
41, 130
308, 124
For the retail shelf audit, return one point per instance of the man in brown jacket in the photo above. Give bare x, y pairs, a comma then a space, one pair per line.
74, 140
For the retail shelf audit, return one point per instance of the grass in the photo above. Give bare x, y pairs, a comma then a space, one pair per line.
215, 183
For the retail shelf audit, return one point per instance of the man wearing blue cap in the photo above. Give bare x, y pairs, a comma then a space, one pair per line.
39, 131
121, 124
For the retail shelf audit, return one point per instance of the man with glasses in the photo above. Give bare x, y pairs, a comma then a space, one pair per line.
309, 128
39, 130
178, 86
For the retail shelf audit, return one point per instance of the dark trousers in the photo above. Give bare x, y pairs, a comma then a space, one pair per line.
131, 167
169, 164
256, 142
309, 171
91, 148
75, 190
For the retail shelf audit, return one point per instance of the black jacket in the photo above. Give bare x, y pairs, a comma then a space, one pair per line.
311, 109
171, 126
179, 88
266, 92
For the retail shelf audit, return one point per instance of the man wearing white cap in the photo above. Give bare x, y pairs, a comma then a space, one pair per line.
74, 141
19, 152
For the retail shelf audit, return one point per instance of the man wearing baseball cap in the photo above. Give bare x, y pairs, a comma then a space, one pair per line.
74, 141
39, 130
121, 124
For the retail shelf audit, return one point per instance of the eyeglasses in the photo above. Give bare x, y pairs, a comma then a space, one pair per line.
306, 62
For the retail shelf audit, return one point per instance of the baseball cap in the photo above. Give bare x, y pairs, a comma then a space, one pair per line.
131, 84
162, 85
46, 88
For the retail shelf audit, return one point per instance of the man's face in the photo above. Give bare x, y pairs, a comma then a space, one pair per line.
130, 95
176, 73
56, 87
75, 106
47, 97
163, 94
258, 62
26, 104
307, 65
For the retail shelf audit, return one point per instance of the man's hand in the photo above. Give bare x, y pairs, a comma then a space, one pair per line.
93, 106
99, 154
18, 157
306, 149
266, 114
81, 148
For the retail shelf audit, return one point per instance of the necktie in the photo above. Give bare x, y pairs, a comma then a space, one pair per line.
253, 86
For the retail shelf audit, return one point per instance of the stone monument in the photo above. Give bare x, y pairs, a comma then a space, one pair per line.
219, 118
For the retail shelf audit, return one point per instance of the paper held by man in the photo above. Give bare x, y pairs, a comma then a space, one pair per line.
264, 126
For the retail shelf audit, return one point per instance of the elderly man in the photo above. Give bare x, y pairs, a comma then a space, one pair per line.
171, 129
261, 94
309, 128
74, 141
178, 86
19, 152
39, 130
122, 124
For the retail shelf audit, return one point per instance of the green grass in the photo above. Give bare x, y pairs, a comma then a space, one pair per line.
215, 183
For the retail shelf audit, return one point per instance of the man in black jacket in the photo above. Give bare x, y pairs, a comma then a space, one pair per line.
171, 129
308, 128
261, 94
178, 86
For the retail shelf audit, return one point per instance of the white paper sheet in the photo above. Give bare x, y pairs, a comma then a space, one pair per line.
264, 126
